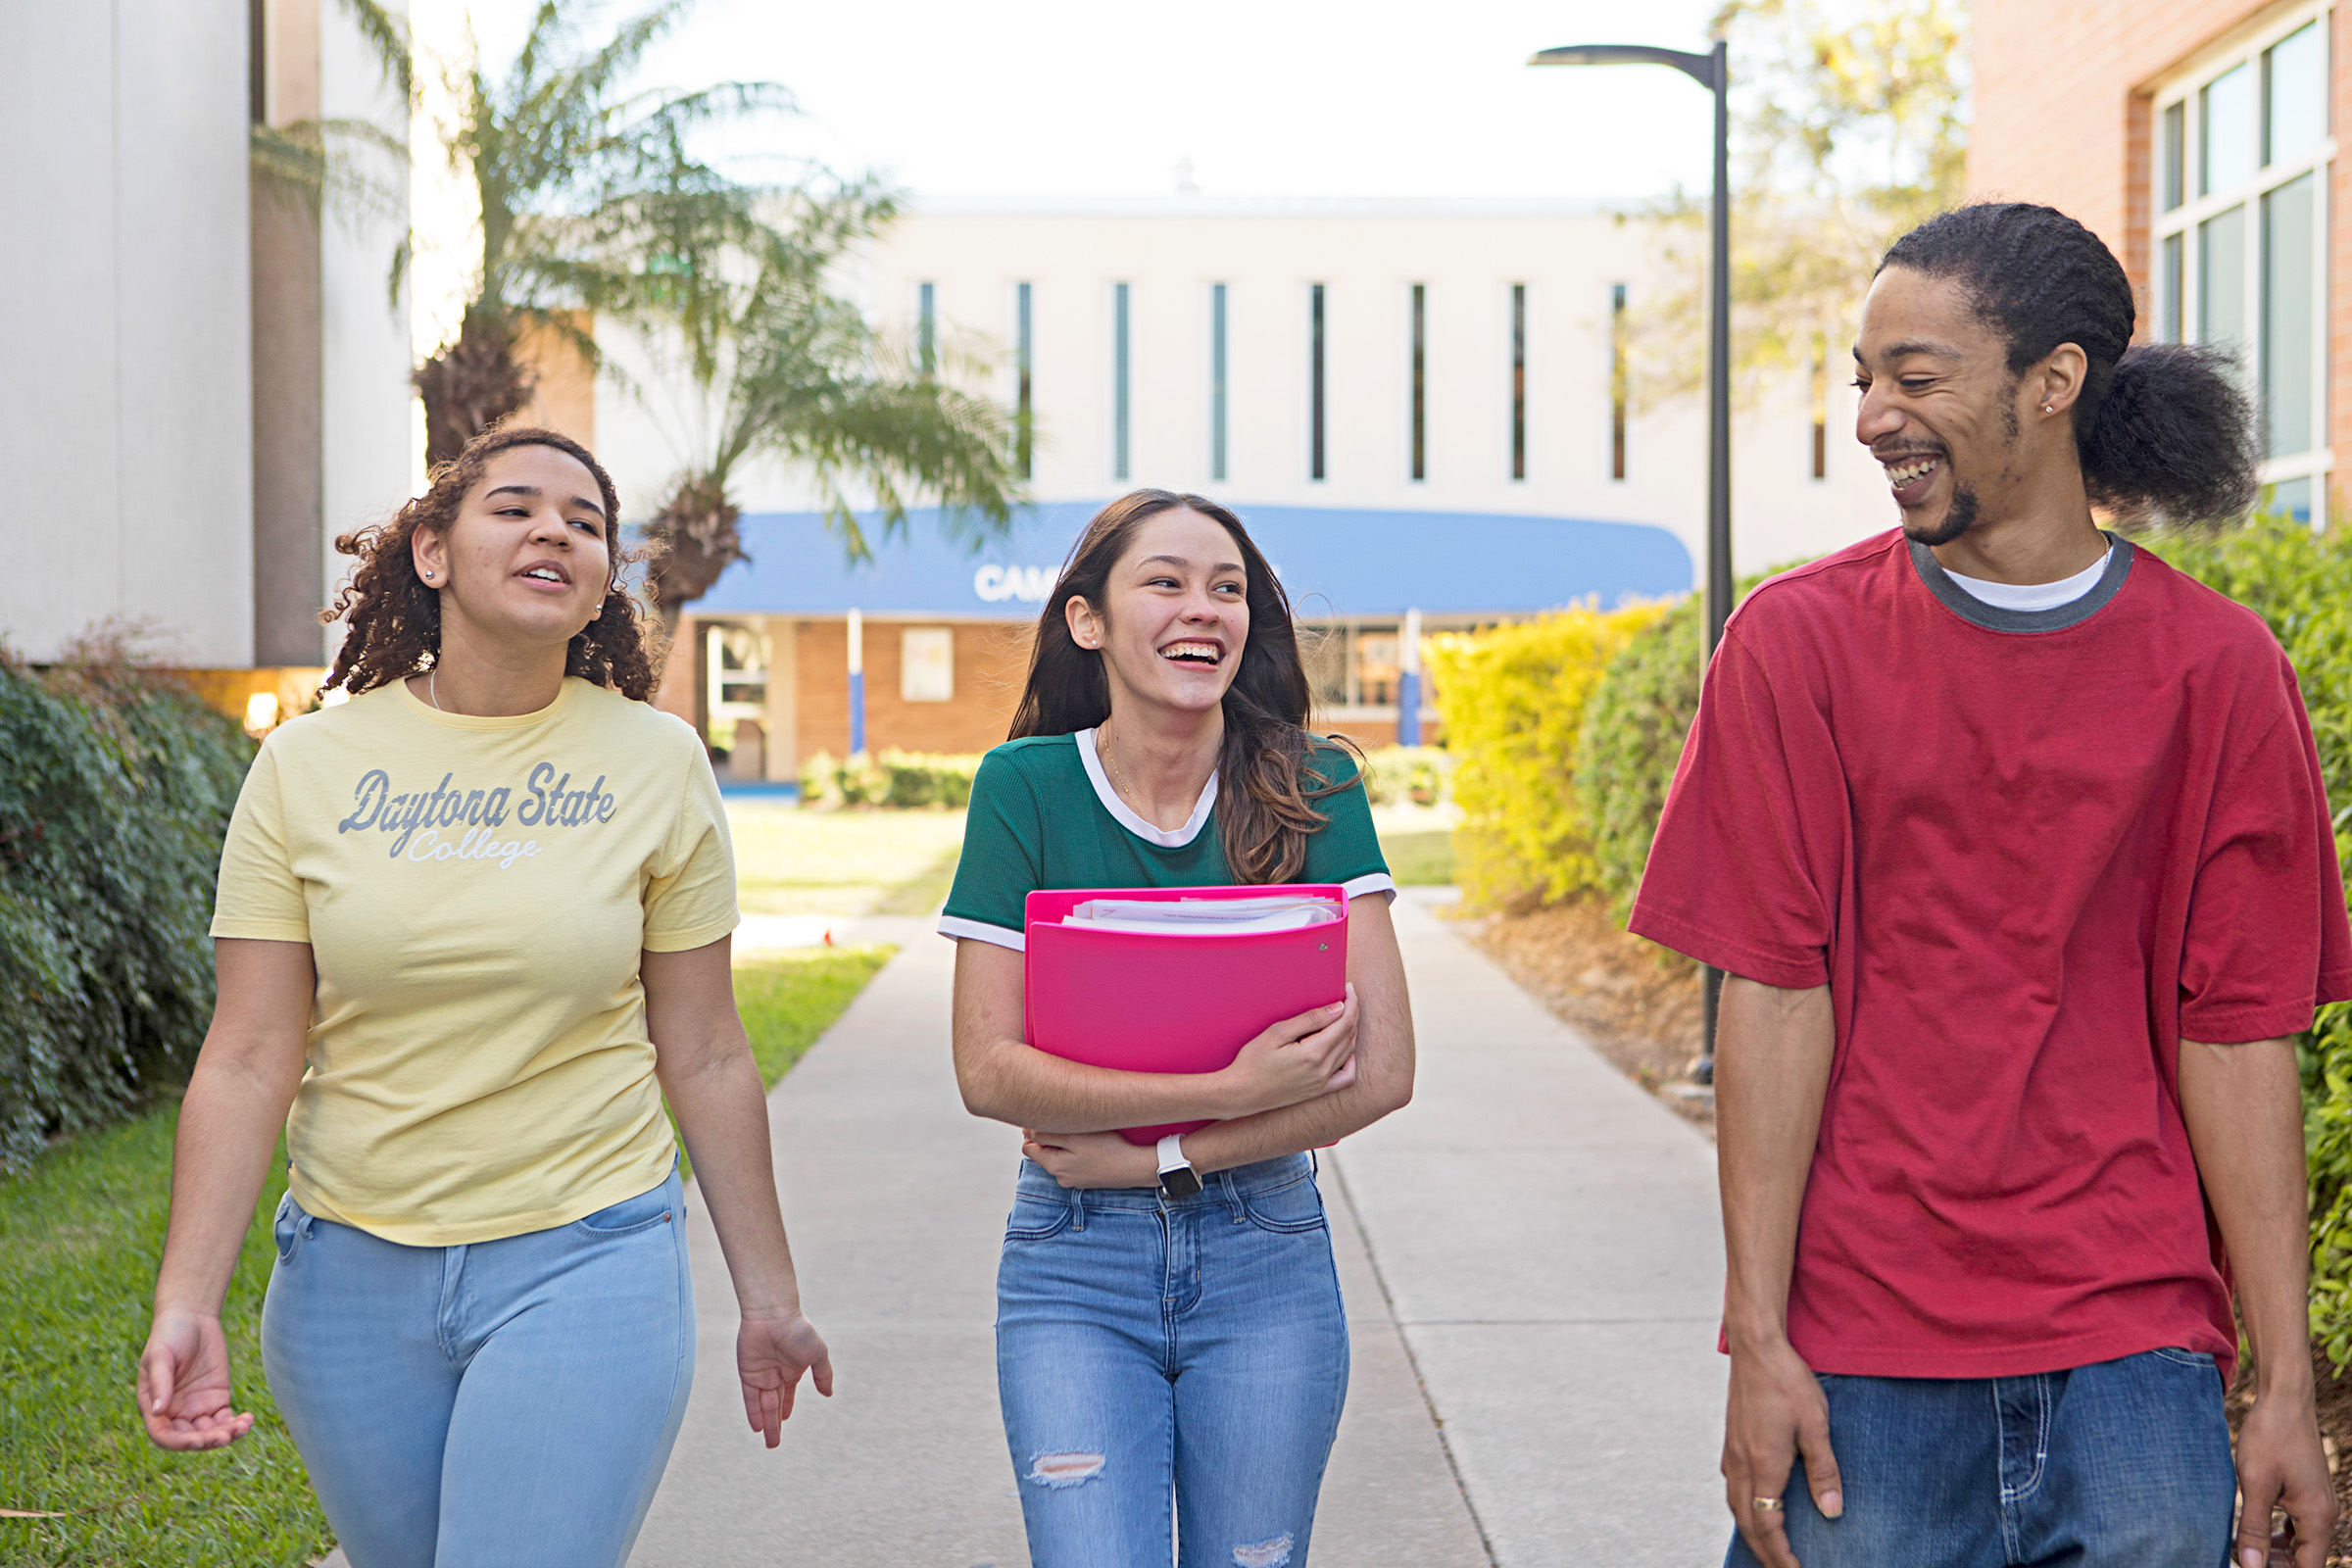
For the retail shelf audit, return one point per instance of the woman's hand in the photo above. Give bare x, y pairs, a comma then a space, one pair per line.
1093, 1159
772, 1351
1296, 1059
183, 1385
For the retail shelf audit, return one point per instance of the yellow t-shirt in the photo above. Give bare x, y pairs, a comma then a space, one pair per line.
476, 893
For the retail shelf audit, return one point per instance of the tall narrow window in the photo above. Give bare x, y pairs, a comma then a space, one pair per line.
1024, 420
2176, 154
2287, 326
1518, 380
1119, 382
1420, 380
1216, 381
926, 329
2168, 327
1314, 381
1820, 405
1617, 381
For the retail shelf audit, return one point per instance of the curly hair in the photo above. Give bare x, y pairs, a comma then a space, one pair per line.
394, 621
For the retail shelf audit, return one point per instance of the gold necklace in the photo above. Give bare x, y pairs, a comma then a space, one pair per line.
1119, 777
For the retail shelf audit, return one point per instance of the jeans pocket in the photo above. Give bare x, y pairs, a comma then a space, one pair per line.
1035, 1217
1289, 1210
2178, 1357
646, 1210
286, 1228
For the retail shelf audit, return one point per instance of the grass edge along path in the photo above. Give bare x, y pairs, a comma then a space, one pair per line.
82, 1232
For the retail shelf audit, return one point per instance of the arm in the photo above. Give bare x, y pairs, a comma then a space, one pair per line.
1772, 1073
704, 1063
1383, 1082
2244, 1106
236, 1101
1005, 1079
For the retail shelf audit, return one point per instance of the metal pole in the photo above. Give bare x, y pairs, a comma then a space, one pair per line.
1719, 458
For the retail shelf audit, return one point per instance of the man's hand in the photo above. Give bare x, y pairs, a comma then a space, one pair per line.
1092, 1159
772, 1351
2280, 1464
1776, 1412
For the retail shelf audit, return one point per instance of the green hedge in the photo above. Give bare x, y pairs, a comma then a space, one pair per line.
1408, 775
893, 779
114, 795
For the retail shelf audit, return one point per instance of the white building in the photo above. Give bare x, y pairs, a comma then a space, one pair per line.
1418, 369
204, 384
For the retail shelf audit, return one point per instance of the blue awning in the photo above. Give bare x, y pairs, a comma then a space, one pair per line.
1336, 563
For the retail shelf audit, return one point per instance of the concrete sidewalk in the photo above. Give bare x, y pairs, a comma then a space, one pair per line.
1528, 1255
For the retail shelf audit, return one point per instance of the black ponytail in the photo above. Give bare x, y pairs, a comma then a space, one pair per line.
2163, 429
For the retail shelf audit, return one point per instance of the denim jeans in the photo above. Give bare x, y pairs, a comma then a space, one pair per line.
508, 1402
1149, 1346
2121, 1464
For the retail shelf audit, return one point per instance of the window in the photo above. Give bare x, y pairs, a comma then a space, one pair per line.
1420, 381
2240, 167
1119, 463
927, 328
1314, 381
1024, 358
1518, 380
927, 664
1617, 381
1216, 381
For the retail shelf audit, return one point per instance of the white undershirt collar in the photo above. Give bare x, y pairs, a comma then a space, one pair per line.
2032, 596
1126, 816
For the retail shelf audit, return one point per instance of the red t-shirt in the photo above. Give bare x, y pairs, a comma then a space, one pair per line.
2029, 853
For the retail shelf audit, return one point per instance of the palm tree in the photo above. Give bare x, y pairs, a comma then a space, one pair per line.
584, 186
784, 368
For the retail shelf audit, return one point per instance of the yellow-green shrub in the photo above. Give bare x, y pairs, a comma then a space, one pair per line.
1513, 702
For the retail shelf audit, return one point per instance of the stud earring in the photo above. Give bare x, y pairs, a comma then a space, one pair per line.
2046, 409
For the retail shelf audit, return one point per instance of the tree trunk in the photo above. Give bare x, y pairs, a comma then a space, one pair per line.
694, 540
470, 385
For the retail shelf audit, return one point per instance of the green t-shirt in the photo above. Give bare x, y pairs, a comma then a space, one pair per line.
1043, 815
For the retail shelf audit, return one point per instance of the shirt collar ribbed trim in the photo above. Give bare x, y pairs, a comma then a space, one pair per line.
1968, 608
1166, 838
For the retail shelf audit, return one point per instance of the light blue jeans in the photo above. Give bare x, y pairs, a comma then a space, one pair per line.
507, 1403
1149, 1347
2120, 1464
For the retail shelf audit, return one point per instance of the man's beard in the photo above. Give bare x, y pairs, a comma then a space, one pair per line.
1958, 518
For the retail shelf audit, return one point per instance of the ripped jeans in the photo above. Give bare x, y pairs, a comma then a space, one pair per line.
1149, 1347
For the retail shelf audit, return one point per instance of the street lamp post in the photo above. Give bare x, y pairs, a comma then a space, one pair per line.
1711, 70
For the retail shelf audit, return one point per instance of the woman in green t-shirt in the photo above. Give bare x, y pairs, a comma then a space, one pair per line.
1168, 1321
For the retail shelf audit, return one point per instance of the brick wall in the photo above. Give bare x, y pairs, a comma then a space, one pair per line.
990, 662
2064, 92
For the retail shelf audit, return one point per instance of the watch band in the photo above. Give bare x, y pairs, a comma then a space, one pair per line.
1177, 1178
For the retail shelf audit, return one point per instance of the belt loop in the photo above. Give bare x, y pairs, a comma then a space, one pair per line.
1314, 1163
1232, 1193
1077, 1208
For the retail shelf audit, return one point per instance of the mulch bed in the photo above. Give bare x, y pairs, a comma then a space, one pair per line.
1640, 1009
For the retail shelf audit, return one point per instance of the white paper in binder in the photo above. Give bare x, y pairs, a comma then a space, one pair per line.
1204, 917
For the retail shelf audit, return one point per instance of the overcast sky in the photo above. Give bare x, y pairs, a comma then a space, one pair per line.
1080, 98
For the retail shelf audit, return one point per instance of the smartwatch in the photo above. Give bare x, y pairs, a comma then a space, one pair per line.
1177, 1178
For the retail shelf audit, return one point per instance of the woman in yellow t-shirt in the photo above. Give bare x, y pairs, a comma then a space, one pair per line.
471, 925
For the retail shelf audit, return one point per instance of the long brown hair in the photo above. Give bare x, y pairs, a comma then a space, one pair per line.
1268, 778
394, 621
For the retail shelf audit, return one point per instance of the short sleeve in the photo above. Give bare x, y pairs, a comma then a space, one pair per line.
2267, 938
257, 896
1346, 848
1737, 875
690, 898
1003, 832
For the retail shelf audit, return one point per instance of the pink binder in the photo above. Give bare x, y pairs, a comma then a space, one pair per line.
1179, 1002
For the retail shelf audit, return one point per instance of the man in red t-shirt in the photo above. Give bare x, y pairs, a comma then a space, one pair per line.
2014, 845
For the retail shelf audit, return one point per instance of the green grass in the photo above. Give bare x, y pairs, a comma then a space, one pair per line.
1419, 860
844, 862
82, 1232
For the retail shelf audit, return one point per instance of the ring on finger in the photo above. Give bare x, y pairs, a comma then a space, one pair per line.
1767, 1504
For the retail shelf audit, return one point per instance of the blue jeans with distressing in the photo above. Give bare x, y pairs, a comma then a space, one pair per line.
503, 1404
2121, 1464
1149, 1347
